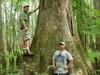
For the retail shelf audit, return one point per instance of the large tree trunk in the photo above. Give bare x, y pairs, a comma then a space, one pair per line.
96, 4
1, 35
55, 24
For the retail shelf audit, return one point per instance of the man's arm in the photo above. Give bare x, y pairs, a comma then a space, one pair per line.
70, 59
23, 22
53, 61
35, 9
53, 64
69, 64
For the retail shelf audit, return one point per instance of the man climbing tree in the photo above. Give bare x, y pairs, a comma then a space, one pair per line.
62, 60
24, 20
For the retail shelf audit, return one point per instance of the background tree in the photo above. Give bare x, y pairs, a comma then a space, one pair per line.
1, 29
96, 5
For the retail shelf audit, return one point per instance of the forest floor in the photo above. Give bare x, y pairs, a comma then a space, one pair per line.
14, 63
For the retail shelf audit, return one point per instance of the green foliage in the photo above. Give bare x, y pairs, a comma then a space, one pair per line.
92, 54
9, 57
86, 17
98, 70
12, 68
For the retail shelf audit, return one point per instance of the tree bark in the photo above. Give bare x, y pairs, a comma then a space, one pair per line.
55, 24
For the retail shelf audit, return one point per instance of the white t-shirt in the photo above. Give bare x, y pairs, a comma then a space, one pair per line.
61, 59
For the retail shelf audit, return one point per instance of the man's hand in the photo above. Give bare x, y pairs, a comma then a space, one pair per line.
66, 67
35, 9
23, 22
69, 64
54, 67
26, 28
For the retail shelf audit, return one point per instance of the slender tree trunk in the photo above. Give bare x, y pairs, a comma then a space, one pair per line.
83, 41
1, 29
92, 43
55, 23
2, 45
8, 46
96, 4
81, 24
97, 43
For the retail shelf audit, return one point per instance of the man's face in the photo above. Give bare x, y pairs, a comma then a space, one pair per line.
62, 46
26, 9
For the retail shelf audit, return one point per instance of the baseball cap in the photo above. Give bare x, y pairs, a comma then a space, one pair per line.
61, 43
26, 6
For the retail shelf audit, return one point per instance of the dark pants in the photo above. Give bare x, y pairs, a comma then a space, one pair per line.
61, 74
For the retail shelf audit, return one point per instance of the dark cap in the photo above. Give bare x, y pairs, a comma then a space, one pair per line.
26, 6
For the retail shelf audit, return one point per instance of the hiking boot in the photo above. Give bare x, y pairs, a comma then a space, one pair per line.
29, 52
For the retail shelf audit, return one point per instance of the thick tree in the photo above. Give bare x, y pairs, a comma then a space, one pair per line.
56, 23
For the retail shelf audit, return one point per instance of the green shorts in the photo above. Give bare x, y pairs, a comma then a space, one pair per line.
26, 35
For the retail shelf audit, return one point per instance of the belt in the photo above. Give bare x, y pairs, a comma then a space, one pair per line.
60, 73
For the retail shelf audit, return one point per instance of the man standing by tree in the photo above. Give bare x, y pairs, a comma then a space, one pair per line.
62, 60
24, 20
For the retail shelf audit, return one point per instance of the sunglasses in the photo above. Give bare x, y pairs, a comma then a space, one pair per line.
59, 54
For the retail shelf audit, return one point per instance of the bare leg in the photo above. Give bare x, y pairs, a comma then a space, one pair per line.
27, 43
24, 46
